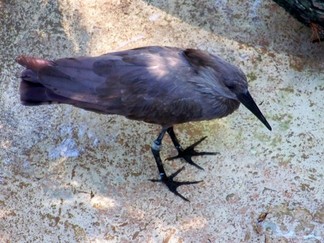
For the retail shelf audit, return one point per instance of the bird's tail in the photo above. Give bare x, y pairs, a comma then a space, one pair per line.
33, 63
32, 92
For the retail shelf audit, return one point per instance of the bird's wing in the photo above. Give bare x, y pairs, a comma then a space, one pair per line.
153, 85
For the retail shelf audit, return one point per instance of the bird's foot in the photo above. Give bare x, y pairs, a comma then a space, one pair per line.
190, 151
173, 185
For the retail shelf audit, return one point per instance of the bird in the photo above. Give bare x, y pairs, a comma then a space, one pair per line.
161, 85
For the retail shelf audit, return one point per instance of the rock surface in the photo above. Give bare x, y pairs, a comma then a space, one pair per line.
68, 175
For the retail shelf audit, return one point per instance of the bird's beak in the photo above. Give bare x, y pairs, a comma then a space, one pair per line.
247, 100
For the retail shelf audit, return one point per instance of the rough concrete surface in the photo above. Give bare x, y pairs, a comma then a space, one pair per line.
68, 175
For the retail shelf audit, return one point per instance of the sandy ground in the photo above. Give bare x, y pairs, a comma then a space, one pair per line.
68, 175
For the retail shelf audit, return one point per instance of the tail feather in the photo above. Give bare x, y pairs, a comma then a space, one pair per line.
63, 81
29, 75
32, 91
32, 94
32, 63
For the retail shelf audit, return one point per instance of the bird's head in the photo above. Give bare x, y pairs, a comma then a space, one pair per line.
224, 79
235, 86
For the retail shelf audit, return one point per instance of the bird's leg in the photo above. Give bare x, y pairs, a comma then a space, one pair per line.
167, 180
187, 153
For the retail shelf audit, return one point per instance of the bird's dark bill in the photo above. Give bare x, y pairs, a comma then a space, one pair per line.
247, 100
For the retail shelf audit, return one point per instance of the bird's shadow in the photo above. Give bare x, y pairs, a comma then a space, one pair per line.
262, 24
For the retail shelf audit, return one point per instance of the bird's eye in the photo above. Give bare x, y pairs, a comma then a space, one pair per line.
231, 87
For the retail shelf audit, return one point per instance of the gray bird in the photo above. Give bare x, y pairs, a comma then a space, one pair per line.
160, 85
